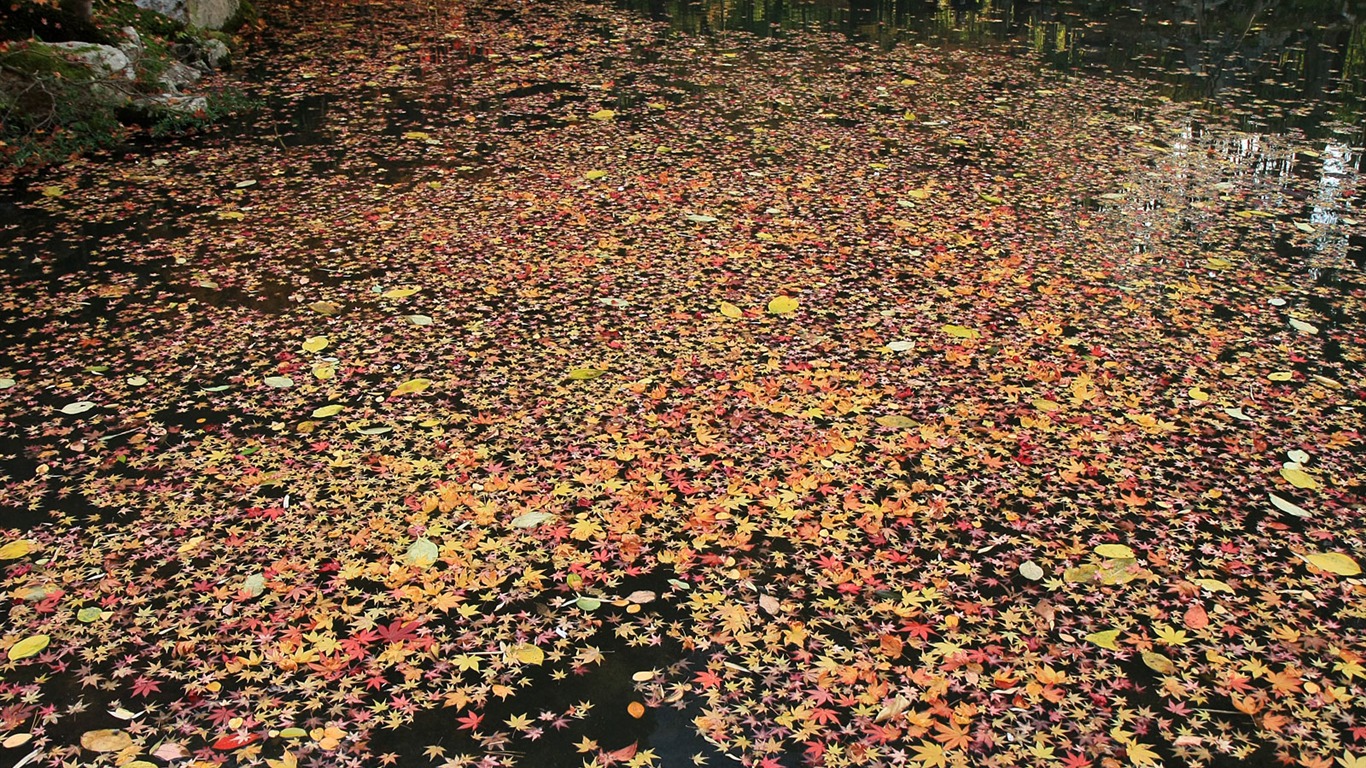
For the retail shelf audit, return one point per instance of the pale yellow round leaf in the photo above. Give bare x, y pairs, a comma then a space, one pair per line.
1158, 663
1334, 562
1105, 639
1299, 478
961, 332
106, 740
29, 646
16, 549
1115, 552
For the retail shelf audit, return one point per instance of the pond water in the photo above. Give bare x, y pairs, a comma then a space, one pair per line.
533, 385
1274, 65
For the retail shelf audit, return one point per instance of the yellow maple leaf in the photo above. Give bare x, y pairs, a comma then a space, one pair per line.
930, 755
1168, 636
287, 760
410, 387
1140, 754
583, 530
1349, 760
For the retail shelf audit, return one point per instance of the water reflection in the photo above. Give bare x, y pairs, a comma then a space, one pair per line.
1273, 65
1295, 206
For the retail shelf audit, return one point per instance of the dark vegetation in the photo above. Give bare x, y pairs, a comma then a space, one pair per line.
52, 108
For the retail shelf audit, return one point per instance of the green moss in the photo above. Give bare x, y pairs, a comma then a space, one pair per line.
117, 15
246, 16
51, 108
40, 60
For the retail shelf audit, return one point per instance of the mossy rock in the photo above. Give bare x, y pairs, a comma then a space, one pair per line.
246, 16
39, 60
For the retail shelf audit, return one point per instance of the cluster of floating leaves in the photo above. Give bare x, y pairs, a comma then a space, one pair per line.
847, 407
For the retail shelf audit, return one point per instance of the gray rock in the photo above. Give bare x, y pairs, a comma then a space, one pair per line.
211, 14
104, 60
132, 42
177, 76
215, 53
173, 9
168, 102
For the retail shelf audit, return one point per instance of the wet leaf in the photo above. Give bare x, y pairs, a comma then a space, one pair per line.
401, 293
1334, 562
782, 305
422, 553
412, 386
1105, 639
1288, 507
106, 740
730, 310
315, 344
1158, 663
1299, 478
1213, 585
526, 653
279, 382
16, 549
961, 332
327, 411
531, 519
77, 408
29, 646
1115, 552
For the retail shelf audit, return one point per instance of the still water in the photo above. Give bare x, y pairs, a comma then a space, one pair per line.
1271, 65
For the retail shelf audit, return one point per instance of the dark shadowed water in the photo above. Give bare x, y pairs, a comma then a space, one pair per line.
1273, 65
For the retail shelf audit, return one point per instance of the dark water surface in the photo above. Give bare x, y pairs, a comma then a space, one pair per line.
1289, 75
1274, 65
